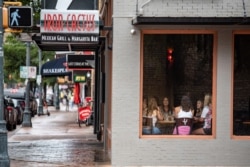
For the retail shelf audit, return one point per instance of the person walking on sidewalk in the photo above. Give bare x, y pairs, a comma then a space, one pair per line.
67, 101
46, 106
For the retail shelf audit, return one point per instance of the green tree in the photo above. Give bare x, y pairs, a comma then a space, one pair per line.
15, 56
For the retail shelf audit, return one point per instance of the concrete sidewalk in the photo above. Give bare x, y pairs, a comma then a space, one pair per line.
56, 141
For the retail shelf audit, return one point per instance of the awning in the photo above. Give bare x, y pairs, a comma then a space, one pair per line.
75, 61
139, 20
56, 67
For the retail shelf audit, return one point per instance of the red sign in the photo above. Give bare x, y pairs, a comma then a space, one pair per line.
84, 113
70, 21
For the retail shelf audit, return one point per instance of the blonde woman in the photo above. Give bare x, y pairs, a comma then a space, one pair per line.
153, 111
206, 117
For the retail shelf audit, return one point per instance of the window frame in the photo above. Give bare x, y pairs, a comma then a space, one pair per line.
233, 136
214, 80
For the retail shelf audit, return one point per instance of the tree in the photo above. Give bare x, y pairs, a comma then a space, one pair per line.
15, 56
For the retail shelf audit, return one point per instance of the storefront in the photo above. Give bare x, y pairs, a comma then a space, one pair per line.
157, 52
73, 27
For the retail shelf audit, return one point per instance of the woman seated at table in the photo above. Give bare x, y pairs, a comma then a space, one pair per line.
153, 112
184, 111
206, 117
166, 110
197, 114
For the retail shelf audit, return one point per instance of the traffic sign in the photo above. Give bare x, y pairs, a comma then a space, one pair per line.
20, 16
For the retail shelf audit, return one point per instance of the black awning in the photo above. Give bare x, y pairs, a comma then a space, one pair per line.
80, 61
139, 20
56, 67
68, 46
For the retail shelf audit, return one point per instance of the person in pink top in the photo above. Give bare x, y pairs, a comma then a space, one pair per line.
185, 110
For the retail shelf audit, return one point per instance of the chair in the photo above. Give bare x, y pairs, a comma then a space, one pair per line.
148, 124
183, 126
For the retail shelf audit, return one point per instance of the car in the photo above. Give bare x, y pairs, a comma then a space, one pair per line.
10, 114
21, 95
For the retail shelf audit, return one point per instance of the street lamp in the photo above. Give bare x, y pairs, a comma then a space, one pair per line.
27, 113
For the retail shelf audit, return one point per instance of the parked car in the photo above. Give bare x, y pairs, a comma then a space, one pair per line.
10, 114
19, 105
21, 94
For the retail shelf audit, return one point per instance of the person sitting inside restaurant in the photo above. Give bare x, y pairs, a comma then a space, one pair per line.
206, 117
183, 111
153, 112
144, 106
166, 110
197, 114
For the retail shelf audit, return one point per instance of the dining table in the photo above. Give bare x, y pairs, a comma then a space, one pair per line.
166, 126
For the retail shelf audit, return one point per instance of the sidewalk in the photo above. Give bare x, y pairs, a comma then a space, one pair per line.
56, 141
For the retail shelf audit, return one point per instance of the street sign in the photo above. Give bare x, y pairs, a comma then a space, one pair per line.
23, 72
28, 72
20, 16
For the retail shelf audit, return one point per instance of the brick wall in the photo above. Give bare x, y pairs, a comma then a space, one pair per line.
190, 72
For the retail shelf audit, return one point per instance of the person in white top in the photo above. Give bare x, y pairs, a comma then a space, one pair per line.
206, 117
185, 110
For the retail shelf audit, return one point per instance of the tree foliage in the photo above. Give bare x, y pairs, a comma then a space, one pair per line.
15, 50
15, 56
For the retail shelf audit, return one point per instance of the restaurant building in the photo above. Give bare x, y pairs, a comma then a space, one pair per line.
169, 49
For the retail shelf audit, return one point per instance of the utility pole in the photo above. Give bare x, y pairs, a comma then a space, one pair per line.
27, 113
40, 107
4, 157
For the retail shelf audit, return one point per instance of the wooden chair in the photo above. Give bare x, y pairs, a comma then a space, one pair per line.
148, 123
183, 126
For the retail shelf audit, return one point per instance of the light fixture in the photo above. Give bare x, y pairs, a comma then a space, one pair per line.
88, 74
170, 54
132, 31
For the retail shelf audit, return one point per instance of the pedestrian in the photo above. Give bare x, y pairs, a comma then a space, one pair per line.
67, 102
45, 105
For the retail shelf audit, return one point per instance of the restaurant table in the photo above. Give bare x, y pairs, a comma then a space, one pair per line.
166, 126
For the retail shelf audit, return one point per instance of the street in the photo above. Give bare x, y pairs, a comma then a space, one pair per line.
56, 141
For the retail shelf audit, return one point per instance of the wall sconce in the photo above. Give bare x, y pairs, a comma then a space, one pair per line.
132, 31
88, 74
170, 54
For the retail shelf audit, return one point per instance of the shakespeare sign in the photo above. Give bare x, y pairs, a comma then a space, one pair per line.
70, 26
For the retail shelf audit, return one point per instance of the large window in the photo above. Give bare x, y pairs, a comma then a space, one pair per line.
241, 86
175, 65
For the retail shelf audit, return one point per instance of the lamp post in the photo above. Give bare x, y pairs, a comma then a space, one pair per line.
27, 113
4, 157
